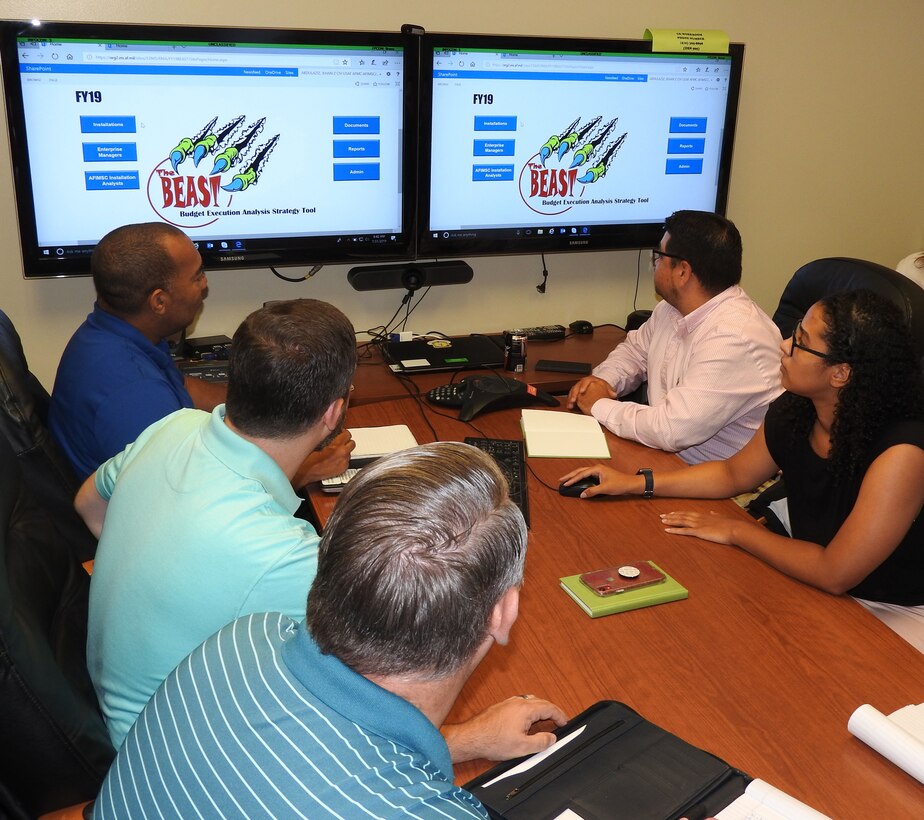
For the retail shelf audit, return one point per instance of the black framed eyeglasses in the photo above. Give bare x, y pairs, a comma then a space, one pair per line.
793, 344
657, 255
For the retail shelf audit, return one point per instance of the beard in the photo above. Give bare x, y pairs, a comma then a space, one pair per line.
335, 432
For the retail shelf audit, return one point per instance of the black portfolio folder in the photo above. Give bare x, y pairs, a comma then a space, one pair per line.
621, 767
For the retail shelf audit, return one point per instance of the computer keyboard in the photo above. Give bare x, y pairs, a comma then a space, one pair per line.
510, 456
207, 371
336, 483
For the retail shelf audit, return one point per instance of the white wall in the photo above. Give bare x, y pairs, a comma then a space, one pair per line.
828, 157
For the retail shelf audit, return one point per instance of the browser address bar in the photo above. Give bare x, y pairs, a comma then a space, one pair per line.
197, 58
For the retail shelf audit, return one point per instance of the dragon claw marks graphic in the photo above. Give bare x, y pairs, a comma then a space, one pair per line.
600, 169
250, 175
554, 190
192, 200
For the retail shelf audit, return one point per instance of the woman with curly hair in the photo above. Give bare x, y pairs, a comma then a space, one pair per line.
848, 436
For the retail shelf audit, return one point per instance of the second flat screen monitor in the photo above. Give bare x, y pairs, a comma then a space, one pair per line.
532, 144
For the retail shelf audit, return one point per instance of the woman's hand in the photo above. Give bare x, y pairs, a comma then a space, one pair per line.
612, 482
710, 526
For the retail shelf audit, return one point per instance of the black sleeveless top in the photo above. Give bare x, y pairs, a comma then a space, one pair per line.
818, 506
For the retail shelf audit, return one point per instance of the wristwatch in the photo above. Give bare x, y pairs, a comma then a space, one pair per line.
649, 482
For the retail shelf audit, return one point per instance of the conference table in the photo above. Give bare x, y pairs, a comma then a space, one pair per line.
755, 667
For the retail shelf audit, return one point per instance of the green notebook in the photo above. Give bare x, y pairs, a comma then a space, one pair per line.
597, 605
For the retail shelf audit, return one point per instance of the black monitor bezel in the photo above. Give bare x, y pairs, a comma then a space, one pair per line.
617, 237
260, 253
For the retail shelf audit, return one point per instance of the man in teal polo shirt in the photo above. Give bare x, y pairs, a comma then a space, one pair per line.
196, 517
419, 571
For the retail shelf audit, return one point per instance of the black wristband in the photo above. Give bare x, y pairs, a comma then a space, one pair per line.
649, 482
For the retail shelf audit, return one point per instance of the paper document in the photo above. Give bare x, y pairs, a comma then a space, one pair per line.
372, 442
562, 435
761, 801
535, 759
898, 737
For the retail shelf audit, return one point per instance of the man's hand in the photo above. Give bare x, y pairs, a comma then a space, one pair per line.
501, 731
587, 391
330, 461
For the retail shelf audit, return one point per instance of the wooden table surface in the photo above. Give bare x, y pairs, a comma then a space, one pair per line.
755, 667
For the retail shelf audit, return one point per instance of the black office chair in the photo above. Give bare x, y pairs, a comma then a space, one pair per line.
55, 750
23, 423
821, 278
834, 275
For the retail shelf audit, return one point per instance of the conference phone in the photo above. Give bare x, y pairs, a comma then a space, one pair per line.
478, 394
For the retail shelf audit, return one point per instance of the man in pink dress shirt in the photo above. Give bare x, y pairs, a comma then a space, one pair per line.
710, 355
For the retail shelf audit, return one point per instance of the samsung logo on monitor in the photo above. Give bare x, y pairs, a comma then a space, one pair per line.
574, 242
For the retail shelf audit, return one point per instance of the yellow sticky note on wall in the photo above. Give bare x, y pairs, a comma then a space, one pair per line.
707, 41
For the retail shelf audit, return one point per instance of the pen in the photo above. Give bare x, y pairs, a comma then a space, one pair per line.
577, 750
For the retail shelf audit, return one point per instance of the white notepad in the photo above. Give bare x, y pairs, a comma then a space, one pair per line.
562, 435
373, 442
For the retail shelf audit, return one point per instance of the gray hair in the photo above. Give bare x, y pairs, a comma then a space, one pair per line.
420, 548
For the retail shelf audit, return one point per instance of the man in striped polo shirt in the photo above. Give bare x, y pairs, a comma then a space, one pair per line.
419, 571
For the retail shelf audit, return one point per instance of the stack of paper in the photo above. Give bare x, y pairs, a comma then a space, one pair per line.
374, 442
899, 736
562, 435
761, 801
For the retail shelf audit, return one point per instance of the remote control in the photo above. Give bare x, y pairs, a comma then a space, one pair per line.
541, 333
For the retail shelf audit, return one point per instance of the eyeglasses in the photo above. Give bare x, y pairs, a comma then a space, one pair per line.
657, 255
797, 331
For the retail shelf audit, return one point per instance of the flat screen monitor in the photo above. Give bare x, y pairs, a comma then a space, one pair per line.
267, 147
537, 144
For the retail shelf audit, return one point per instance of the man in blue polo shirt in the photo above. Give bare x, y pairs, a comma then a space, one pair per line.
419, 571
116, 376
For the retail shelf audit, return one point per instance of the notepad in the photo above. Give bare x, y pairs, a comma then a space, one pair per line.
599, 605
375, 442
562, 435
761, 801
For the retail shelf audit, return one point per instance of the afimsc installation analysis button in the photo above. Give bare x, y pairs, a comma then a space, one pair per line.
110, 152
344, 149
95, 124
367, 171
115, 181
492, 173
357, 125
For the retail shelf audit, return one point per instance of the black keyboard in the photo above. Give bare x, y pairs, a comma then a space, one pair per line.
207, 371
510, 456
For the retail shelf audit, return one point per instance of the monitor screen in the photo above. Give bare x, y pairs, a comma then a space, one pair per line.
267, 147
536, 144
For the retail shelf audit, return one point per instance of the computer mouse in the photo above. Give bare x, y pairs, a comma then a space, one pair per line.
581, 326
574, 490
